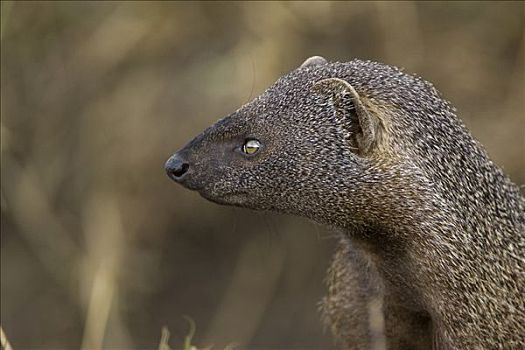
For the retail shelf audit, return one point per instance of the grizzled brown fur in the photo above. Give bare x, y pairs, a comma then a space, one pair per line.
432, 231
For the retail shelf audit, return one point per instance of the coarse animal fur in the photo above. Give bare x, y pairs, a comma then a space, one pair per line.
432, 230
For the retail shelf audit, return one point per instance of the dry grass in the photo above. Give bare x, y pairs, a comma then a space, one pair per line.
4, 342
188, 339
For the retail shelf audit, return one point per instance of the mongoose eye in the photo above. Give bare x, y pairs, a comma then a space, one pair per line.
251, 146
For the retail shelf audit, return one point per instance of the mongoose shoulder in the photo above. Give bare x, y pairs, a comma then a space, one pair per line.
430, 226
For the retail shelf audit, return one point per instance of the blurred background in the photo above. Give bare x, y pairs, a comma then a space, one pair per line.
99, 249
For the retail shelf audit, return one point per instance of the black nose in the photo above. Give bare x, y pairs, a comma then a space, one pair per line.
176, 168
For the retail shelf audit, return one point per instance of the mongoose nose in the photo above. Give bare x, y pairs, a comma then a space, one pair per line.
176, 168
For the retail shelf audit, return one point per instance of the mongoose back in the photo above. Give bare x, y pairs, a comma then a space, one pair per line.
429, 225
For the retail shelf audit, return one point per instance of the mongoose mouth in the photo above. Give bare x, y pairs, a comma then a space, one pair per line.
229, 198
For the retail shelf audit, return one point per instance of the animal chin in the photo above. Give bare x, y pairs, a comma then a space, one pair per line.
230, 198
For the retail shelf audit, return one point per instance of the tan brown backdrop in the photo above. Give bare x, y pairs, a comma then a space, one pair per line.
100, 249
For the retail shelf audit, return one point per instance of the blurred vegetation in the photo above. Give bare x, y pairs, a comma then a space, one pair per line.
100, 249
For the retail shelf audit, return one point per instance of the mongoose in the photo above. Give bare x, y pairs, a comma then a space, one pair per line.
429, 225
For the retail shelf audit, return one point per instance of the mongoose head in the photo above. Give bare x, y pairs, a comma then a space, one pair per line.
364, 146
310, 145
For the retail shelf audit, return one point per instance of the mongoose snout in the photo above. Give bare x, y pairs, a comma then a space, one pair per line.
176, 168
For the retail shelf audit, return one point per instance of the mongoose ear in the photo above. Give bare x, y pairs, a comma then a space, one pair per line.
364, 129
314, 61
